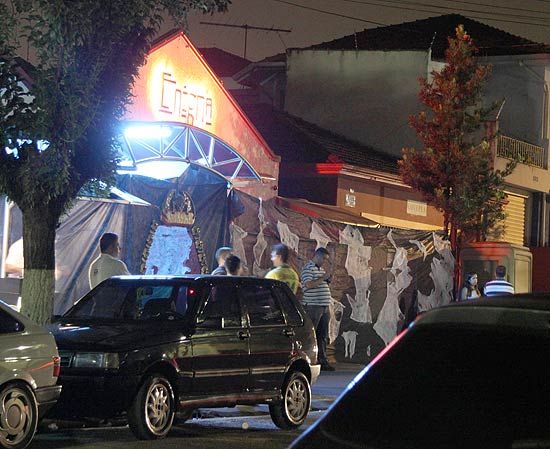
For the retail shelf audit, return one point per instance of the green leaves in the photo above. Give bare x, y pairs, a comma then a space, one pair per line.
87, 54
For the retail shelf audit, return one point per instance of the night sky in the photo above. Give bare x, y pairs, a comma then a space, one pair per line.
527, 18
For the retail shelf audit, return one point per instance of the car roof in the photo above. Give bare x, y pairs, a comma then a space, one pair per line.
150, 277
528, 310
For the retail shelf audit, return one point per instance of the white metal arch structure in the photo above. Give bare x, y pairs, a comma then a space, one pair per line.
144, 142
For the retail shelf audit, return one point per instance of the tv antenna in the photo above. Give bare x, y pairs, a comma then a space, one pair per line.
247, 27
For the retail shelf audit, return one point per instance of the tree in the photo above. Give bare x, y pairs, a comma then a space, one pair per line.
454, 169
87, 55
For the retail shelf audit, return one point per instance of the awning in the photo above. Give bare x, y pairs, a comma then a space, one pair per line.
399, 223
324, 211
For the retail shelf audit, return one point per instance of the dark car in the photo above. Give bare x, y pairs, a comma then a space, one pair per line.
151, 347
471, 375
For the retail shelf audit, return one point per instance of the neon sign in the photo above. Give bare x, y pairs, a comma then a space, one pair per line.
186, 104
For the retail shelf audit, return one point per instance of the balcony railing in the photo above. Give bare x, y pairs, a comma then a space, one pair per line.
526, 153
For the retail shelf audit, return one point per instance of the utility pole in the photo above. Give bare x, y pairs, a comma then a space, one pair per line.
247, 27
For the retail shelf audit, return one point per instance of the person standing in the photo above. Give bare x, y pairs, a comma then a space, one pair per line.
221, 254
108, 263
316, 300
282, 271
233, 266
470, 290
499, 286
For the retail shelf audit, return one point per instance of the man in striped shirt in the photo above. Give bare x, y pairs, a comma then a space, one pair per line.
499, 286
316, 300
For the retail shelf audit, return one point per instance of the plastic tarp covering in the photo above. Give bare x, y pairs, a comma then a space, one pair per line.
212, 206
382, 277
138, 227
77, 240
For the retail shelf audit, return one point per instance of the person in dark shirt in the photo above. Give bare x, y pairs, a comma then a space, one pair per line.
233, 265
221, 254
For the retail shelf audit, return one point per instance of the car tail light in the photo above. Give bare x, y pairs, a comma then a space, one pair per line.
56, 366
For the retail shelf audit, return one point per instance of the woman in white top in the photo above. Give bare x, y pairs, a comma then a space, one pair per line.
470, 289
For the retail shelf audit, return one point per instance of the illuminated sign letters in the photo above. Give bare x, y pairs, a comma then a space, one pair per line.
186, 103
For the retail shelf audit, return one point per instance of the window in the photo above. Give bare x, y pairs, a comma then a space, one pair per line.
223, 304
293, 317
103, 302
261, 305
9, 324
133, 301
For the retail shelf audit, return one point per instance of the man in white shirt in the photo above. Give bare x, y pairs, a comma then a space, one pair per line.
108, 263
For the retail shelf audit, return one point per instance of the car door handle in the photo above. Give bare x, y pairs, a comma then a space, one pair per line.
243, 335
289, 332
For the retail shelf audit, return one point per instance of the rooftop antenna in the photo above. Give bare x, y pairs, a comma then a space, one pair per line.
247, 27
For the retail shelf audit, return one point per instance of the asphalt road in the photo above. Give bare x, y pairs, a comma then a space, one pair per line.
239, 432
242, 427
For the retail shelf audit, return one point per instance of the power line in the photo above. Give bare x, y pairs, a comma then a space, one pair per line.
329, 12
419, 10
448, 8
511, 8
247, 27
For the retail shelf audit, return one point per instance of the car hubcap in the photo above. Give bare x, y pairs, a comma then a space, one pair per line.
158, 407
15, 416
296, 402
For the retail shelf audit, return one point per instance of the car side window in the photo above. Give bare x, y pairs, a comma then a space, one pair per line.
8, 324
222, 304
104, 302
261, 305
293, 317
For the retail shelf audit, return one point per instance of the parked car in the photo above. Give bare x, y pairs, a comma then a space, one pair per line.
29, 368
472, 375
151, 347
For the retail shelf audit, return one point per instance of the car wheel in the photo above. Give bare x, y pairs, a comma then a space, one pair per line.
18, 416
292, 411
152, 413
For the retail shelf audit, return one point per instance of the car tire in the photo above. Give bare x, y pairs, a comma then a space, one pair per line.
18, 415
292, 411
152, 413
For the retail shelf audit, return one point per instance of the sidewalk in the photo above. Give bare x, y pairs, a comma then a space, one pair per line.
324, 392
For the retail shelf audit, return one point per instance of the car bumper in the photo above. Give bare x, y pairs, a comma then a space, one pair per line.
315, 371
95, 395
46, 397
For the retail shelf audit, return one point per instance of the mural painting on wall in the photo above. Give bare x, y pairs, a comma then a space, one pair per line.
174, 246
381, 277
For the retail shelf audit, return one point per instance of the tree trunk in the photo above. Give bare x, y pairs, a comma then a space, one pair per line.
39, 225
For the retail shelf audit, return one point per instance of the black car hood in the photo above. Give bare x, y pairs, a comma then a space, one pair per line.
80, 335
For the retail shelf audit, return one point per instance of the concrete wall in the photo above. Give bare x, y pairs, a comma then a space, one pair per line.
366, 96
520, 80
390, 201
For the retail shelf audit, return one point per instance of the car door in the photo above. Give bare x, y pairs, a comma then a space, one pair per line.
220, 341
271, 340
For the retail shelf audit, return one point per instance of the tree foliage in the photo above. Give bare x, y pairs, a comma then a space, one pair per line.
86, 56
454, 169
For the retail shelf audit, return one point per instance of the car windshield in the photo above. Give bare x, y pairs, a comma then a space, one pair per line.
134, 301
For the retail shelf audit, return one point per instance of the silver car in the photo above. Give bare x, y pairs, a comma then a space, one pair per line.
29, 367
